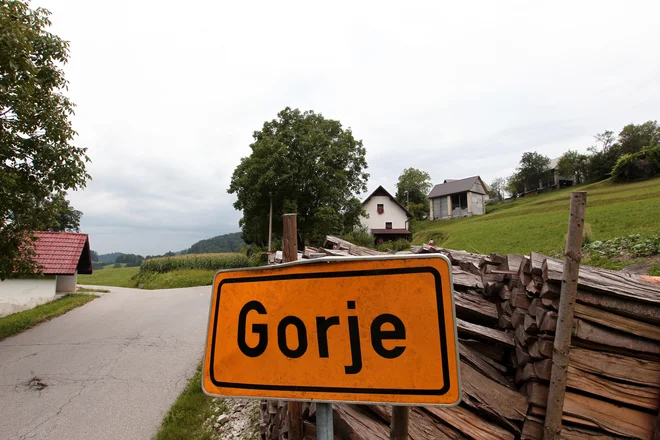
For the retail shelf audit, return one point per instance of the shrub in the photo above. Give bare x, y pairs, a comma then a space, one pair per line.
116, 265
360, 237
211, 262
641, 165
400, 245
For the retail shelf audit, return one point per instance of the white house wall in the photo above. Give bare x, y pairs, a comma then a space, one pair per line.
392, 213
23, 294
66, 283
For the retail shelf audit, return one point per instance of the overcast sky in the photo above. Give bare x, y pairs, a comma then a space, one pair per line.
169, 93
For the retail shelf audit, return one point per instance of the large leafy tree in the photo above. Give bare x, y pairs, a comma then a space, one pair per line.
411, 191
38, 161
575, 164
306, 164
532, 168
497, 189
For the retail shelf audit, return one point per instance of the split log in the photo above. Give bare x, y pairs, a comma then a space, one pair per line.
422, 427
550, 290
484, 365
605, 337
471, 306
541, 348
594, 413
355, 250
621, 368
644, 397
490, 351
617, 322
518, 317
520, 299
548, 322
542, 369
530, 325
505, 292
636, 395
536, 261
470, 423
550, 303
355, 422
513, 262
620, 306
505, 321
523, 337
526, 373
522, 356
487, 395
465, 279
488, 334
607, 282
532, 429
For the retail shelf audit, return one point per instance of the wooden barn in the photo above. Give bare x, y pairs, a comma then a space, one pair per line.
458, 198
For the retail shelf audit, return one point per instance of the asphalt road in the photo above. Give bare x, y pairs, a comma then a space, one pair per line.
107, 370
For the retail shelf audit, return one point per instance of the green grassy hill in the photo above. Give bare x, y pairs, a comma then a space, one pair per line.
539, 223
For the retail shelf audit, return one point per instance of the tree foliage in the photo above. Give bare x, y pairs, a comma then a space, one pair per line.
532, 168
222, 243
573, 163
411, 191
309, 165
38, 161
497, 188
65, 218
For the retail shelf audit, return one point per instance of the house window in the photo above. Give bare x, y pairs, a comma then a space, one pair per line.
388, 225
380, 208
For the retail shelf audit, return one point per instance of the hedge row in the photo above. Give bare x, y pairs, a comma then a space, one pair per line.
212, 262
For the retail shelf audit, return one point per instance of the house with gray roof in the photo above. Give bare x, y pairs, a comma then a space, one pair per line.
458, 198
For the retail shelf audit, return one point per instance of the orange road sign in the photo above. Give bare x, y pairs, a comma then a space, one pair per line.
373, 329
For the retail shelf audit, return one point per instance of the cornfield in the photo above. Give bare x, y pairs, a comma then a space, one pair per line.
211, 262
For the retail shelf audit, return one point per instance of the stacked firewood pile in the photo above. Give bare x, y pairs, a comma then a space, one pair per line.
506, 309
613, 378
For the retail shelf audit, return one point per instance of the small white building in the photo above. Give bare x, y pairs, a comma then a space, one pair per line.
458, 198
386, 219
61, 256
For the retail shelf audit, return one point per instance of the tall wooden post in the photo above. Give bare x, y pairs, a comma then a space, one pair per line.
399, 426
290, 253
569, 281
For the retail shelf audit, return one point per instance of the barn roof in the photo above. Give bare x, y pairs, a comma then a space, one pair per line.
380, 191
62, 253
454, 186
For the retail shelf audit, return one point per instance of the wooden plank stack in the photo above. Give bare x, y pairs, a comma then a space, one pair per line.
507, 313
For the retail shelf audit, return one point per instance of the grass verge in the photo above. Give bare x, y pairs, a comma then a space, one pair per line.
21, 321
109, 276
86, 290
185, 419
539, 223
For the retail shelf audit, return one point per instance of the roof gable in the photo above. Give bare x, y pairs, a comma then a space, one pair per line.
455, 186
62, 253
380, 191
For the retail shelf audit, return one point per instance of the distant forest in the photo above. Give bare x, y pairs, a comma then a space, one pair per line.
222, 243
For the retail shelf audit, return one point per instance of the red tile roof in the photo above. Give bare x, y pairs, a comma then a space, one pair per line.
390, 231
59, 253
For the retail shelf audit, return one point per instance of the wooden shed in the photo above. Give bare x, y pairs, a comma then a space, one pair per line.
458, 198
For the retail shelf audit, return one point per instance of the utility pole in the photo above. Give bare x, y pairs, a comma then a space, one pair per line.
270, 222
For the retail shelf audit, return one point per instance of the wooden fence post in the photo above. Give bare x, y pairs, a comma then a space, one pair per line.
290, 253
569, 281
